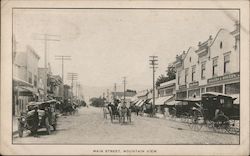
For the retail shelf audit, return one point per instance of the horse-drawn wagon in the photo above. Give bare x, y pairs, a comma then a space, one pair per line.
216, 111
117, 111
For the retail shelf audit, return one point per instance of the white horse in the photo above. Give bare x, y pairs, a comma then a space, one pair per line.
124, 112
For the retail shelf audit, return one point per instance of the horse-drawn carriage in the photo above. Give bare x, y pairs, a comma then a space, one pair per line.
216, 111
117, 111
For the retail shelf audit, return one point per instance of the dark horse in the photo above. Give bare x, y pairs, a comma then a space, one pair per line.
114, 113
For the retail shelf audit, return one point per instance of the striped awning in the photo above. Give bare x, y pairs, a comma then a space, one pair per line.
161, 100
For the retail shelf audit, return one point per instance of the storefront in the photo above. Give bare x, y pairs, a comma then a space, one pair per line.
23, 93
227, 84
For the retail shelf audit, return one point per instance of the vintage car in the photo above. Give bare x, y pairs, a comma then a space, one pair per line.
46, 114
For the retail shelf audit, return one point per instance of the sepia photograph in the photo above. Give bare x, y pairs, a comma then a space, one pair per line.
126, 76
94, 76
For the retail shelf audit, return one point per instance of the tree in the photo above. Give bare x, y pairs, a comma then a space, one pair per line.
161, 79
170, 75
97, 102
171, 72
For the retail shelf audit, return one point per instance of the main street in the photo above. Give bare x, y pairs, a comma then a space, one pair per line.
89, 127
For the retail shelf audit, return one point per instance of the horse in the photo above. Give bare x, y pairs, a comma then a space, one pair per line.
113, 111
124, 113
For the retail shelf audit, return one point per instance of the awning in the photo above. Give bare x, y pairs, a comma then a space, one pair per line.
20, 82
162, 100
137, 102
23, 88
141, 103
150, 101
170, 101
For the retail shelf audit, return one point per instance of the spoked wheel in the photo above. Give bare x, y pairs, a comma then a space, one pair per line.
197, 121
209, 124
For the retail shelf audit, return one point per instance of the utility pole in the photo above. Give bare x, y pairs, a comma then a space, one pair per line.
124, 88
153, 64
46, 38
72, 77
115, 91
108, 95
62, 58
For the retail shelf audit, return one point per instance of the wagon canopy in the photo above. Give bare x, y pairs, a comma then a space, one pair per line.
211, 94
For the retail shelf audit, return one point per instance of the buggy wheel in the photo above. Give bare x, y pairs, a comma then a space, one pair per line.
197, 120
189, 122
47, 126
209, 124
20, 130
231, 128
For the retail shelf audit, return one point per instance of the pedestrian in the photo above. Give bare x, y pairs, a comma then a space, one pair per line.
36, 121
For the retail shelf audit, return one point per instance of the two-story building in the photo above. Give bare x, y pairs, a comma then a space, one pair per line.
212, 67
25, 78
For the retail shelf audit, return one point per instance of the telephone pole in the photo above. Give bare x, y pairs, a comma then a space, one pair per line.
46, 38
153, 64
62, 58
72, 77
124, 87
115, 91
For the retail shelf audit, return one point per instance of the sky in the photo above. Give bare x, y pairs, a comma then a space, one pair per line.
107, 44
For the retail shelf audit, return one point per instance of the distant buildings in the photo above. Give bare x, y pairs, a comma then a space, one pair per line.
31, 83
129, 94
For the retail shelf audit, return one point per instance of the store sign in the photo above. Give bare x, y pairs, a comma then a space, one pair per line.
225, 77
193, 84
183, 87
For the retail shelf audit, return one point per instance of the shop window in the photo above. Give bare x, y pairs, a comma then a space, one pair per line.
194, 93
203, 69
193, 73
215, 66
218, 89
30, 77
226, 63
221, 46
233, 88
202, 90
186, 75
182, 95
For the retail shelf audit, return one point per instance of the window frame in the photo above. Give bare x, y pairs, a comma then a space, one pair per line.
226, 63
193, 72
203, 64
186, 75
215, 66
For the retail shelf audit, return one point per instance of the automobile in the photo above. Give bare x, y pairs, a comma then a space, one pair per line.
47, 117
